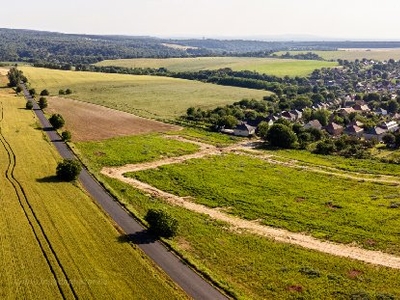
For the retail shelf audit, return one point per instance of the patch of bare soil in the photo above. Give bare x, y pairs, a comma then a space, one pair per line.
3, 71
91, 122
237, 224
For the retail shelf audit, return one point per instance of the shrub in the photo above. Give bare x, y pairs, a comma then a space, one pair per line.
68, 169
61, 92
29, 105
161, 223
44, 93
57, 121
68, 91
66, 136
42, 102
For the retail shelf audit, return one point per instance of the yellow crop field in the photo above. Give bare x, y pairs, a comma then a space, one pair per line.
270, 66
146, 96
55, 243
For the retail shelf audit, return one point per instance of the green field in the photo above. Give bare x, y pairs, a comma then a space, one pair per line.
248, 266
54, 239
353, 54
352, 211
277, 67
147, 96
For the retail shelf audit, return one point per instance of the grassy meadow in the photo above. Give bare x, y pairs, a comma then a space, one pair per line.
271, 66
353, 54
248, 266
59, 221
286, 197
146, 96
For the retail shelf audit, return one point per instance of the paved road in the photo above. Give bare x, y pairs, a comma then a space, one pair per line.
194, 285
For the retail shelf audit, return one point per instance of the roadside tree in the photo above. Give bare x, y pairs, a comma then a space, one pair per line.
57, 121
68, 169
161, 223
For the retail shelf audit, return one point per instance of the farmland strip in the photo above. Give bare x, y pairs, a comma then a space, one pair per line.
37, 229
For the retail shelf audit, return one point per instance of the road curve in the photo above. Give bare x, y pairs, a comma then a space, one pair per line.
191, 282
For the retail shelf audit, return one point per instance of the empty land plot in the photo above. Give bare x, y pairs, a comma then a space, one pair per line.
87, 121
353, 54
146, 96
55, 242
271, 66
330, 207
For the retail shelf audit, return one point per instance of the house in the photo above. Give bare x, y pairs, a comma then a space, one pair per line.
354, 130
334, 129
288, 115
244, 129
345, 111
313, 124
381, 112
375, 133
390, 126
361, 107
298, 114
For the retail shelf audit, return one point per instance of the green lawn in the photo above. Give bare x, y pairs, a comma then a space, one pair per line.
59, 221
147, 96
277, 67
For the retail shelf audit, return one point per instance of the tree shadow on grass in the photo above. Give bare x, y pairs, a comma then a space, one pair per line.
141, 237
52, 178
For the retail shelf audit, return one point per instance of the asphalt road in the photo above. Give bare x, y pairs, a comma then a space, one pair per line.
193, 284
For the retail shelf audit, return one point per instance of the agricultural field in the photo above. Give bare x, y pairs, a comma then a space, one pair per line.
353, 54
146, 96
55, 241
249, 266
87, 121
270, 66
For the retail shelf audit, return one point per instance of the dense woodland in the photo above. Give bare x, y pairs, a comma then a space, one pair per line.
71, 49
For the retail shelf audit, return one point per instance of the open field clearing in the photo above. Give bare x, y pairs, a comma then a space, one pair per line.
286, 197
353, 54
278, 67
271, 66
146, 96
87, 121
248, 265
55, 243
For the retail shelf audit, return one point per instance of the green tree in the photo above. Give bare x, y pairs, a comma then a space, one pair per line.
15, 76
161, 223
42, 102
262, 129
57, 121
68, 169
68, 91
66, 136
228, 121
29, 105
281, 136
32, 92
18, 89
44, 93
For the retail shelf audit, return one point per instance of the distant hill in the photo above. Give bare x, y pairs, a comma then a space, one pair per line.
58, 48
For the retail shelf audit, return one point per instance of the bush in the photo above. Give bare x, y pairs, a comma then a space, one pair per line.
44, 93
66, 136
161, 223
57, 121
61, 92
68, 169
42, 102
68, 91
29, 105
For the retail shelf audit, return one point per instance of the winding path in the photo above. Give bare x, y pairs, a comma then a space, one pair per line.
280, 235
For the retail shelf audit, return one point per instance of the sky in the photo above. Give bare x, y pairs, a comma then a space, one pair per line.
338, 19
